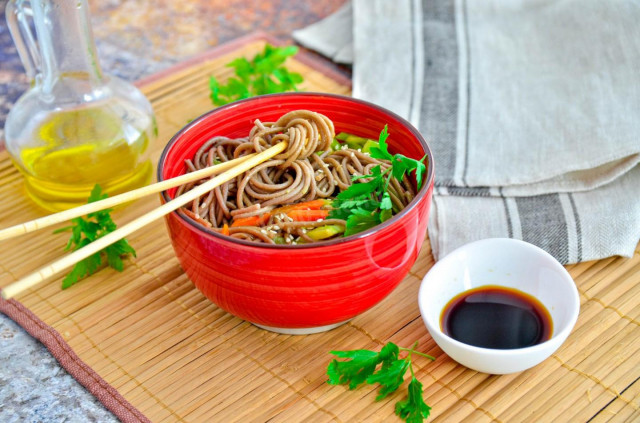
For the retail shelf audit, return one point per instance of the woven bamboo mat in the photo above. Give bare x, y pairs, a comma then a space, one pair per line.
177, 357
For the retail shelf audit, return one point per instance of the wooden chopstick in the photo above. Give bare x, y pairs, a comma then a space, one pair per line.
97, 245
85, 209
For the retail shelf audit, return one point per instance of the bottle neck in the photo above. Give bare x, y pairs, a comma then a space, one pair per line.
66, 42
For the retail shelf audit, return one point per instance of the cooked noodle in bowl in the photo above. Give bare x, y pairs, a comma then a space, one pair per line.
309, 169
272, 245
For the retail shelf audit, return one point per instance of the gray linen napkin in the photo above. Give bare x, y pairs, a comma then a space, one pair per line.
332, 36
532, 109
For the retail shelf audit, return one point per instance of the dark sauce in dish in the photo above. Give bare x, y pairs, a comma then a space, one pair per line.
496, 317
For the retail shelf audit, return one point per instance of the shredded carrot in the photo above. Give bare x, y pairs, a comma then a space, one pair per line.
246, 221
225, 229
251, 220
264, 218
310, 205
307, 205
308, 215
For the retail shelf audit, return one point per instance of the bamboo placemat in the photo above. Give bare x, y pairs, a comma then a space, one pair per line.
175, 356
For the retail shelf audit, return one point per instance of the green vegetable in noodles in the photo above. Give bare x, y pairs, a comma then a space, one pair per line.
365, 205
324, 232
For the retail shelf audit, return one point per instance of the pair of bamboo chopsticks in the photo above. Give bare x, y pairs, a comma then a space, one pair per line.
229, 171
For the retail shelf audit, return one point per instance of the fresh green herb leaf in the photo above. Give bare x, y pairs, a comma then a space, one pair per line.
400, 163
382, 151
385, 203
403, 164
385, 368
78, 272
264, 74
420, 171
390, 378
359, 222
366, 204
385, 215
362, 201
413, 409
84, 231
361, 364
363, 188
66, 228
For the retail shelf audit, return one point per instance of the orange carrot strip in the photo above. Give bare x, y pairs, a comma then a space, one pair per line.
264, 218
246, 221
308, 215
225, 229
252, 220
307, 205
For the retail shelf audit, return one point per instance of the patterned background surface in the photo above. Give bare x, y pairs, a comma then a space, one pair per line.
135, 38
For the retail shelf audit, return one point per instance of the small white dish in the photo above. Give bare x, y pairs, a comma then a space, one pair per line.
504, 262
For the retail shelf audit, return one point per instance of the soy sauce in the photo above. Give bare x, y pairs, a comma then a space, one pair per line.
496, 317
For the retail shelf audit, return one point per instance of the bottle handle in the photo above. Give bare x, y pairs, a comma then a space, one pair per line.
18, 13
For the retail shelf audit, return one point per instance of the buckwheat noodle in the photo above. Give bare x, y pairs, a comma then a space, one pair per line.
308, 169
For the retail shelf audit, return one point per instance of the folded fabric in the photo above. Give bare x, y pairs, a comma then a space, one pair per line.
531, 109
333, 36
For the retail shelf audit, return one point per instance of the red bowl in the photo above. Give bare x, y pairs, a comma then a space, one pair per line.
302, 288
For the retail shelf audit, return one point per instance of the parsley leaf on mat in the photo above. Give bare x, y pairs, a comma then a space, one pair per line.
390, 378
361, 364
413, 409
264, 74
84, 231
386, 369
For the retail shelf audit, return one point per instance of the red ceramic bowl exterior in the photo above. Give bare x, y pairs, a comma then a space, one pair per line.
300, 286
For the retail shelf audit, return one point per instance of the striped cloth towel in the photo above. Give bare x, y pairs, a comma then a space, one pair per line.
531, 107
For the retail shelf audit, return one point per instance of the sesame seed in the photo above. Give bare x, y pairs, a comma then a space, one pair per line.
276, 227
319, 220
263, 231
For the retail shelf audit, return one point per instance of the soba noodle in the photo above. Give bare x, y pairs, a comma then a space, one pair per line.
307, 170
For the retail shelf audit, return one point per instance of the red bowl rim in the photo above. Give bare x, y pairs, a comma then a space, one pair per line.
427, 182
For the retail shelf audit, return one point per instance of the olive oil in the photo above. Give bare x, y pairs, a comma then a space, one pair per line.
75, 126
68, 152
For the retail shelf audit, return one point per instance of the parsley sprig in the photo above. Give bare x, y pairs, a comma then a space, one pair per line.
84, 231
386, 369
264, 74
366, 204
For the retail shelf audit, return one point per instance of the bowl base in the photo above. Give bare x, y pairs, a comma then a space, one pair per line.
301, 331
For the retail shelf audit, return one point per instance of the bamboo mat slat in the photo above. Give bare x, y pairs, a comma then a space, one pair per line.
177, 357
